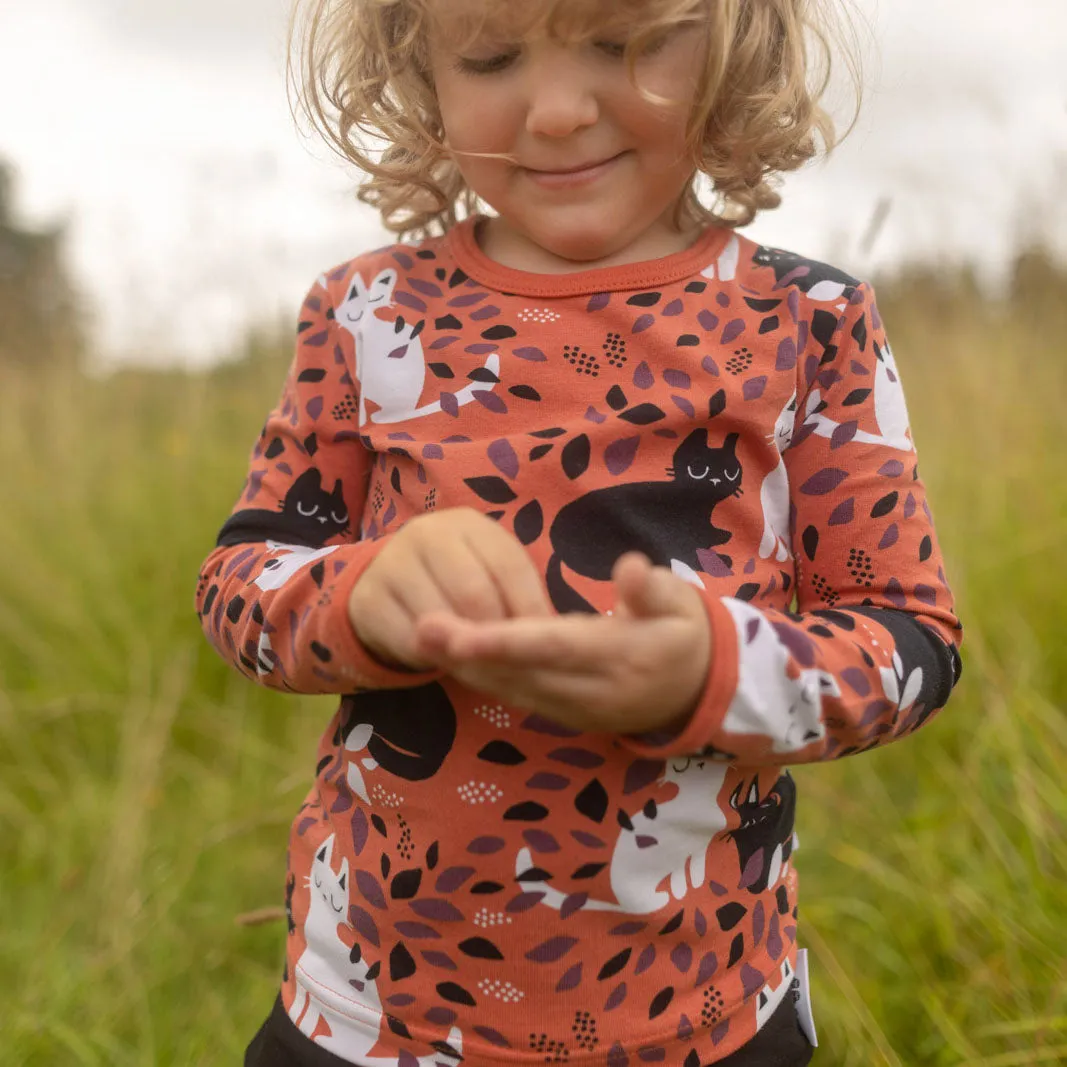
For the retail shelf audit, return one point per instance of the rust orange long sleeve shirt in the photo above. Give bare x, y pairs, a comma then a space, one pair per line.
465, 878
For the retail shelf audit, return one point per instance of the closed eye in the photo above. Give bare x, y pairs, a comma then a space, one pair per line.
733, 477
307, 514
343, 517
692, 474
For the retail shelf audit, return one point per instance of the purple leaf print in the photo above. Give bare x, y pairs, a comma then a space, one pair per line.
890, 537
598, 301
708, 320
532, 355
856, 681
503, 457
645, 960
643, 322
314, 407
370, 889
712, 563
487, 312
843, 434
409, 300
484, 846
492, 1036
677, 379
675, 307
787, 355
577, 757
751, 980
390, 514
587, 839
640, 773
452, 878
627, 929
909, 506
732, 331
553, 949
416, 931
700, 924
843, 514
684, 405
574, 902
709, 964
682, 957
420, 285
364, 925
343, 801
759, 917
892, 468
433, 452
443, 342
524, 901
710, 366
440, 1016
399, 353
643, 377
753, 388
540, 840
619, 455
825, 481
618, 995
449, 404
360, 830
571, 977
439, 910
544, 780
493, 401
593, 415
927, 594
466, 299
774, 938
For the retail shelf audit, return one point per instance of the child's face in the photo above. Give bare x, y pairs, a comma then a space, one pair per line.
554, 107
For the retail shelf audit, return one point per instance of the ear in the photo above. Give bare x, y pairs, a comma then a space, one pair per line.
342, 881
325, 853
731, 442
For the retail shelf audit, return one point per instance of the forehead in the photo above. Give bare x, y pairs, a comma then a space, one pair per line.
456, 21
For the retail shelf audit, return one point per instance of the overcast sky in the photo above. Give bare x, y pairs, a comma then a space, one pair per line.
161, 129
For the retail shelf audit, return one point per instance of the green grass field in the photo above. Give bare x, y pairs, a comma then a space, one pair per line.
146, 789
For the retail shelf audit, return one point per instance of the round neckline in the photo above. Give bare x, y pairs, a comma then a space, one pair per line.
642, 274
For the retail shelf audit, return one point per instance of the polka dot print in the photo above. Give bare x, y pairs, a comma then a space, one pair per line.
479, 792
494, 713
538, 315
504, 991
485, 918
385, 797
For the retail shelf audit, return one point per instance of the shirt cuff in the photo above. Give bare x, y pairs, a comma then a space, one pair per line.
703, 726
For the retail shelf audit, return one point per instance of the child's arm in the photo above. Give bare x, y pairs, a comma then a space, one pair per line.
873, 652
278, 611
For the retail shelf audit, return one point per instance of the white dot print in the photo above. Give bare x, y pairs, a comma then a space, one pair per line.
385, 797
479, 792
538, 315
494, 713
504, 991
485, 918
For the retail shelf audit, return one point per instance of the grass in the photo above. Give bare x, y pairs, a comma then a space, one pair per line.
146, 789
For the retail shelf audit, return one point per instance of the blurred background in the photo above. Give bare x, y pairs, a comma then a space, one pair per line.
161, 218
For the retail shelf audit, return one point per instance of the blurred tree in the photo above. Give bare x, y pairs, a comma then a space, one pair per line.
42, 322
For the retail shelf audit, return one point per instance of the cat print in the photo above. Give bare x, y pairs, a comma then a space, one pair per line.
890, 408
774, 992
406, 732
327, 966
774, 493
764, 836
725, 267
390, 362
667, 521
309, 516
279, 569
768, 702
819, 281
668, 840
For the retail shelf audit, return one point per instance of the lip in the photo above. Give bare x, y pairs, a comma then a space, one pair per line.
557, 179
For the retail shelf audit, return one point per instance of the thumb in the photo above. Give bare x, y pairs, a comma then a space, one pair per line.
648, 592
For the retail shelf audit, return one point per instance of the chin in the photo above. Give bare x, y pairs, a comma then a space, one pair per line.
581, 243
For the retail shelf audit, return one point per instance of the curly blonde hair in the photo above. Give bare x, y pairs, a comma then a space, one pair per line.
362, 73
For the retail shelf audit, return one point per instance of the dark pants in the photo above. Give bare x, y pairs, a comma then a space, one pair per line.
780, 1043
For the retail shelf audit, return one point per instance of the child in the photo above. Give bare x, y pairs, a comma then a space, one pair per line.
535, 503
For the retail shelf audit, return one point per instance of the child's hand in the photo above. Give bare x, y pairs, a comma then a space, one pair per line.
457, 561
642, 668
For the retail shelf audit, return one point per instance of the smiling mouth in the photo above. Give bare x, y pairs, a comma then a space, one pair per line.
568, 171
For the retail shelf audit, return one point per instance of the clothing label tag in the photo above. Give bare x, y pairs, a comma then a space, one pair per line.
801, 991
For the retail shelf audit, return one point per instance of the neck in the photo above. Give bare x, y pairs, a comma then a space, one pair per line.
504, 244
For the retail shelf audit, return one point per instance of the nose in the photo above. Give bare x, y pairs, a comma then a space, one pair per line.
562, 96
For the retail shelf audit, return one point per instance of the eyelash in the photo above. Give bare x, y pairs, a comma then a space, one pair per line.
495, 64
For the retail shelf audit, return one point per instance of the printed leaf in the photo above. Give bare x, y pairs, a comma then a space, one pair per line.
643, 414
491, 489
619, 455
553, 949
575, 456
503, 457
825, 481
529, 522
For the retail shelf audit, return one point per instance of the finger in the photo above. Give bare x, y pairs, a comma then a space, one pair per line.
651, 592
518, 580
581, 644
460, 582
392, 637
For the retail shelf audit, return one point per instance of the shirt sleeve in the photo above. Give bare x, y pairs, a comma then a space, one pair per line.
272, 597
873, 648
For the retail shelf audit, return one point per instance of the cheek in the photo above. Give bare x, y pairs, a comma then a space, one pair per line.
475, 121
